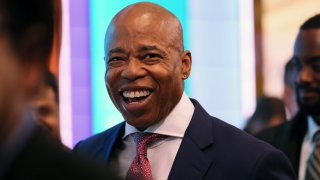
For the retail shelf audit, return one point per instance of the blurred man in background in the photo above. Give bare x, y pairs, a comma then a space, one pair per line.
299, 137
27, 152
46, 105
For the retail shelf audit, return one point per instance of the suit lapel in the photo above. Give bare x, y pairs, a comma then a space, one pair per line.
111, 142
292, 141
193, 158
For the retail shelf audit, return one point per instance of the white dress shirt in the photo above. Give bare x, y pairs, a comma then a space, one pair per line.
161, 154
307, 147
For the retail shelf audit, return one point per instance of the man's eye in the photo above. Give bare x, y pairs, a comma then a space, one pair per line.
115, 59
297, 64
152, 56
43, 111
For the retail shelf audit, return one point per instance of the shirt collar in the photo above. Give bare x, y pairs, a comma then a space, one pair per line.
174, 124
312, 128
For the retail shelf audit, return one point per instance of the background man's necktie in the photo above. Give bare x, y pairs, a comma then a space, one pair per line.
140, 167
313, 163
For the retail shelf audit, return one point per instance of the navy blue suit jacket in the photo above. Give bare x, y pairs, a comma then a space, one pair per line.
210, 149
288, 137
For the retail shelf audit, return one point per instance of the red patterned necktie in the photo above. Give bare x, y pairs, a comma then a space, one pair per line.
140, 168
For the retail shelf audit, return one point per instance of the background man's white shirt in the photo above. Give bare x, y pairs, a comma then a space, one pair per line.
307, 147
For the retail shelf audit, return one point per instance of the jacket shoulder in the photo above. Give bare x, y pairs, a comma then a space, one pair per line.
234, 150
273, 134
96, 142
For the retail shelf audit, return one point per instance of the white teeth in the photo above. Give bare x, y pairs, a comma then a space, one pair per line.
135, 94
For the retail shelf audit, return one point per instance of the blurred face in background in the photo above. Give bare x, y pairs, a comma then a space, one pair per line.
18, 82
46, 110
307, 62
25, 44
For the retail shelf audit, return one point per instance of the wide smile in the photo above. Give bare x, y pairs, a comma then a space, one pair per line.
132, 97
136, 100
308, 91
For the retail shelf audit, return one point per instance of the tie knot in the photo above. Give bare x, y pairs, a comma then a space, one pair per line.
144, 140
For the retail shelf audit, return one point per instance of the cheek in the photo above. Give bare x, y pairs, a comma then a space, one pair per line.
162, 77
111, 78
166, 71
170, 83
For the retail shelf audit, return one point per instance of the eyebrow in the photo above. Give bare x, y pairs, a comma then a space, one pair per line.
117, 50
140, 49
313, 58
150, 48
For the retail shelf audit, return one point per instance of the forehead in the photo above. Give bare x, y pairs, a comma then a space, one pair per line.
308, 43
145, 28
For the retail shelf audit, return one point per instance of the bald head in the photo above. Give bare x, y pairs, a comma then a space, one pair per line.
148, 18
145, 7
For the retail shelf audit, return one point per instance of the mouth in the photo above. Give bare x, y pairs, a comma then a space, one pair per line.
135, 96
309, 90
308, 94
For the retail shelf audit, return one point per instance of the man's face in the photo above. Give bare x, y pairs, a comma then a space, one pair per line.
307, 62
144, 70
46, 110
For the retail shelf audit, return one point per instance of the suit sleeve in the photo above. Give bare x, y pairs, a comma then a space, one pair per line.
274, 165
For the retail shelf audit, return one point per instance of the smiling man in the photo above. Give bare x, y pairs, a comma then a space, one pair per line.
166, 135
297, 138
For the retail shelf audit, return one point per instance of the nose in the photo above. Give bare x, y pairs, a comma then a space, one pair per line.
134, 70
305, 75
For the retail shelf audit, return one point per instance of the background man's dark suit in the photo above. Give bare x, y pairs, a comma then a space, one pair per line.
288, 137
43, 158
210, 149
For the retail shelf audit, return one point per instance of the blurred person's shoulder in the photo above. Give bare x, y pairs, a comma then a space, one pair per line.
273, 134
278, 135
44, 158
93, 146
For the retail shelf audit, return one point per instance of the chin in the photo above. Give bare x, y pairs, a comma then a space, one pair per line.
140, 124
310, 108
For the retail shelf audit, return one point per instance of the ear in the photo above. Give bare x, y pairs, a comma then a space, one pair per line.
186, 64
